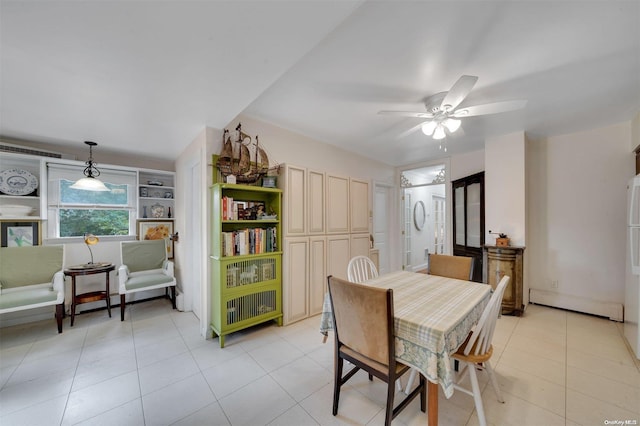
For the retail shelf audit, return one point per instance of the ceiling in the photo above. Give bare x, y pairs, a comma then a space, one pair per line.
146, 77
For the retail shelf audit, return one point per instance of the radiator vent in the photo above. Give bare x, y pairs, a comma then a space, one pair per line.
17, 149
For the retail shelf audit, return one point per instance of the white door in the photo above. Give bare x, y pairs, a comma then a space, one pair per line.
382, 205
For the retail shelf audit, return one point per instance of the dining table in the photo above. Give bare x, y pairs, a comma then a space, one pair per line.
433, 316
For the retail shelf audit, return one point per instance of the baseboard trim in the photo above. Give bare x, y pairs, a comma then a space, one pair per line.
612, 310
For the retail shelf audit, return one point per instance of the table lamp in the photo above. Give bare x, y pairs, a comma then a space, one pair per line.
90, 240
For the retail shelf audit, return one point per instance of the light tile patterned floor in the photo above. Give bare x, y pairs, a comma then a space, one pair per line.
554, 368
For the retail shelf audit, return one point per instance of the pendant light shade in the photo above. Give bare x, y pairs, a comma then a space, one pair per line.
90, 182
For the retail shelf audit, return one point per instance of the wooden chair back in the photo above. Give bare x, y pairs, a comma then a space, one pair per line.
363, 318
458, 267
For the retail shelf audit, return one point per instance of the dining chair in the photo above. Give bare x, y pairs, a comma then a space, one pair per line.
476, 351
363, 321
444, 265
144, 267
360, 269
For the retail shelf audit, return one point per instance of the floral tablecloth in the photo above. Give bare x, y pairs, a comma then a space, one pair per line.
433, 316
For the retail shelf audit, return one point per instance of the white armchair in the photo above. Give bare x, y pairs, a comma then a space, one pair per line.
144, 267
32, 277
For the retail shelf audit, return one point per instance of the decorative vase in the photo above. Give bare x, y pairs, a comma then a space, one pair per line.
169, 213
144, 212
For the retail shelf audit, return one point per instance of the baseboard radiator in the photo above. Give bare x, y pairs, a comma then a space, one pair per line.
612, 310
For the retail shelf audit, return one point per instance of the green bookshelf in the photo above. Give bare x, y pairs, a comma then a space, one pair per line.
246, 257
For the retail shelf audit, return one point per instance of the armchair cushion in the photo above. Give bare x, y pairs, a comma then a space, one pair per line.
140, 281
33, 295
20, 266
144, 255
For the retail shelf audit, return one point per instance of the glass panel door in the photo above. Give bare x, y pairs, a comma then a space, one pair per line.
473, 215
459, 216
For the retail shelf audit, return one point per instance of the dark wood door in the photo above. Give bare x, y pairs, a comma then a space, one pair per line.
468, 220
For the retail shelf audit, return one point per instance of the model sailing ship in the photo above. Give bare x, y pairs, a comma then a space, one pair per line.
236, 159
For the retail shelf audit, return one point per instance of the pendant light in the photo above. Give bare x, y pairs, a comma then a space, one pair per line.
91, 173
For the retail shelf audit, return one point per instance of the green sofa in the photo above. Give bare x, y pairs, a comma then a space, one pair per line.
32, 277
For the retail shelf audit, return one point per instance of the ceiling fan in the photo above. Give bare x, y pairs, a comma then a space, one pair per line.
443, 111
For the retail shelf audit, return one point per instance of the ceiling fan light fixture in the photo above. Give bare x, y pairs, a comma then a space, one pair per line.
439, 132
452, 124
429, 127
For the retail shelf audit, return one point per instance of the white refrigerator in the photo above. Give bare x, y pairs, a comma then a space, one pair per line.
632, 281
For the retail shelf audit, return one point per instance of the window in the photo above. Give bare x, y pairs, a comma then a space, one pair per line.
74, 212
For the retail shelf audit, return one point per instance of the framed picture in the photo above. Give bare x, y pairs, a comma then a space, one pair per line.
19, 233
157, 230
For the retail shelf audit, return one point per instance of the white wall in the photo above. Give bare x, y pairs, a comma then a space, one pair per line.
576, 205
504, 178
635, 132
466, 164
285, 146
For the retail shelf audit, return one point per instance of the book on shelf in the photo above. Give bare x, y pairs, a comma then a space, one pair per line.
242, 210
249, 241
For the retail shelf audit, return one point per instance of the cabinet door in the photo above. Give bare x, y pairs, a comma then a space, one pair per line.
359, 205
296, 195
317, 274
337, 204
316, 202
360, 244
338, 255
296, 279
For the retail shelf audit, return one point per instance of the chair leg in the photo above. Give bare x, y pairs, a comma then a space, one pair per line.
494, 381
337, 383
477, 397
423, 394
173, 296
391, 388
59, 315
122, 303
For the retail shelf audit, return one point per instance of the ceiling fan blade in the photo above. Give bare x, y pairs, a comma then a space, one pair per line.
407, 114
409, 131
458, 92
493, 108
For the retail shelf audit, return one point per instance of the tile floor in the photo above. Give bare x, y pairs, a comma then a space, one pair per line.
554, 368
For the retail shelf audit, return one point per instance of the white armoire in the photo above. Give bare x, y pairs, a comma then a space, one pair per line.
325, 223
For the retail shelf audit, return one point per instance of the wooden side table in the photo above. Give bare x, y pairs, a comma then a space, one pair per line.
89, 269
506, 260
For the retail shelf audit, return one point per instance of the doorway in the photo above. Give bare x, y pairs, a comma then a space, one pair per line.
424, 207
